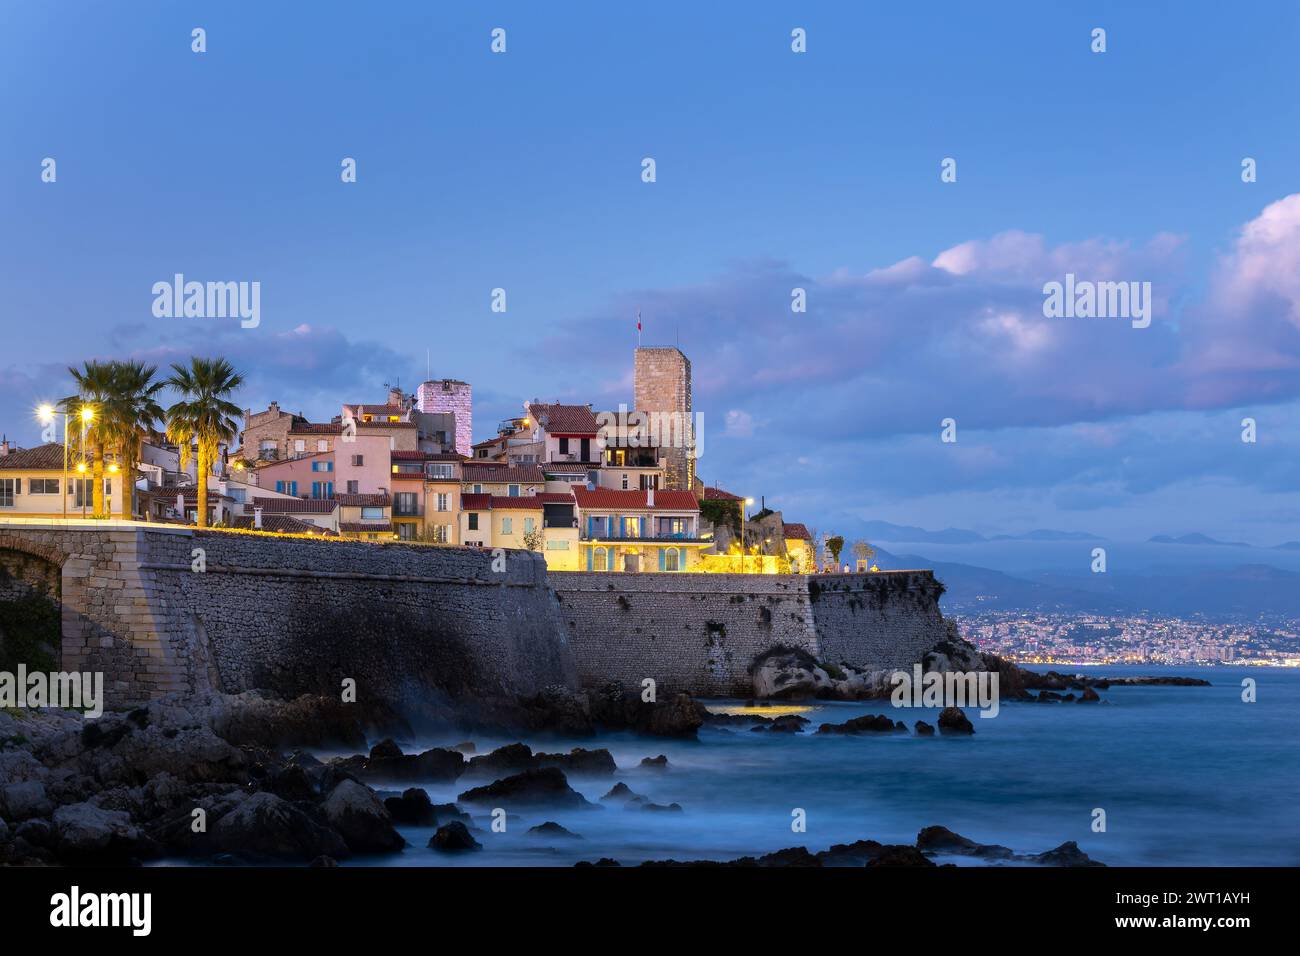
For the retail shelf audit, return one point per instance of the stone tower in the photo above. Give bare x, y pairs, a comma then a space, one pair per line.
663, 384
450, 395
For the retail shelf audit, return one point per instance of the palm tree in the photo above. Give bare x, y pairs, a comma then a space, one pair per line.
128, 414
204, 416
94, 387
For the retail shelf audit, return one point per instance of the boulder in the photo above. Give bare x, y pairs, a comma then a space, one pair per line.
622, 792
923, 729
952, 720
858, 853
21, 801
1067, 854
866, 724
655, 763
898, 854
547, 786
672, 807
412, 808
434, 766
512, 758
580, 762
265, 827
943, 840
85, 833
553, 829
788, 675
359, 816
452, 838
616, 709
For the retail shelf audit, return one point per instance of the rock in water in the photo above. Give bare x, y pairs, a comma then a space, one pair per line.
357, 813
899, 855
943, 840
621, 791
547, 786
655, 763
453, 837
923, 729
512, 758
788, 675
594, 763
265, 827
1067, 854
867, 723
413, 808
553, 829
954, 721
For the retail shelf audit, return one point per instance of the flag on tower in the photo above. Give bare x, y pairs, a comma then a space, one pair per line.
638, 328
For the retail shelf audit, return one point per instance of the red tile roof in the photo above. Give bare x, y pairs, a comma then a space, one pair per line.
717, 494
565, 419
796, 532
605, 499
363, 501
42, 458
475, 502
317, 506
515, 502
555, 497
426, 456
522, 474
281, 524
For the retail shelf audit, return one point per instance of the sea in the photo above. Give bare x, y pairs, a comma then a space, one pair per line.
1150, 776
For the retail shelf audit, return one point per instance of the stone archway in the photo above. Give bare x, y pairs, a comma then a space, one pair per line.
31, 605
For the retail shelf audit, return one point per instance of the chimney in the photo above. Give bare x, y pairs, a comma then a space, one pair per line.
180, 504
650, 497
395, 395
5, 447
257, 518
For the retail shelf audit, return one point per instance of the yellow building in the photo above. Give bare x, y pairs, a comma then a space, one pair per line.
799, 549
32, 485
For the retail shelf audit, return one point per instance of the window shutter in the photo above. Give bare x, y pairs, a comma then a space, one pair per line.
663, 559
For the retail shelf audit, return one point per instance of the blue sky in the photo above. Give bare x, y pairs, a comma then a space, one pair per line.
819, 170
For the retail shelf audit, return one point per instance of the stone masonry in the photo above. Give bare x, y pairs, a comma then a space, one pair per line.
663, 384
296, 615
701, 632
164, 609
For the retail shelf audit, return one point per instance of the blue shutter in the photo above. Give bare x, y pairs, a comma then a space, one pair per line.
590, 555
663, 559
591, 522
642, 532
279, 487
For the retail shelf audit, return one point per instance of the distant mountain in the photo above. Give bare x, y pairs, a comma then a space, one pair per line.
1246, 590
1044, 534
910, 534
886, 531
1196, 538
1287, 546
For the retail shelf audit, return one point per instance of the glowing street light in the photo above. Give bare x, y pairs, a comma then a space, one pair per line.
747, 502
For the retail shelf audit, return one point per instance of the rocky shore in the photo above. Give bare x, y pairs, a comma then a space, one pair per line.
230, 779
792, 674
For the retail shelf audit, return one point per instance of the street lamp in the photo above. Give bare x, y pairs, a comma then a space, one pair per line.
46, 415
